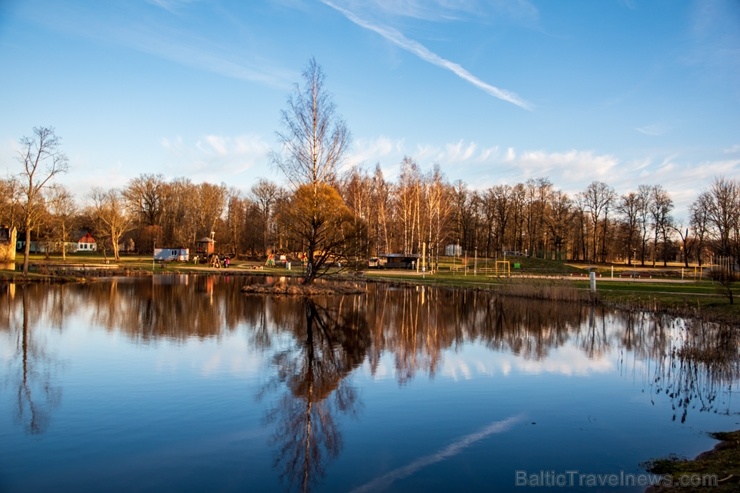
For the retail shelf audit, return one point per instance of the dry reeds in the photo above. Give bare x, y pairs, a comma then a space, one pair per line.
282, 288
551, 291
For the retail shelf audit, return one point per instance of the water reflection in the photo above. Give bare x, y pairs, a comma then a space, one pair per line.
328, 344
32, 369
692, 363
700, 369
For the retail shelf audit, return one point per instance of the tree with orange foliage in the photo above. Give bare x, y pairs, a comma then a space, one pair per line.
318, 219
313, 144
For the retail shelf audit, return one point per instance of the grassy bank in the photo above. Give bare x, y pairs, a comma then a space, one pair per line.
685, 298
718, 469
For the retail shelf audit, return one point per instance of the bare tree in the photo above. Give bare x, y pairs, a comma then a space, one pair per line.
210, 201
314, 142
660, 207
500, 198
559, 221
144, 197
315, 138
644, 196
598, 199
41, 159
724, 206
439, 209
699, 220
234, 220
63, 211
407, 203
110, 216
265, 194
537, 193
10, 207
356, 190
686, 241
629, 206
179, 222
381, 191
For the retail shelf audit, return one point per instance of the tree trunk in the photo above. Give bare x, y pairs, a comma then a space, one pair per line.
26, 249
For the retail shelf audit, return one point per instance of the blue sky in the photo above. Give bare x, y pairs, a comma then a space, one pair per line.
627, 92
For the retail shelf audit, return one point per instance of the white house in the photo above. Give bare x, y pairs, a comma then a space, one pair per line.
87, 243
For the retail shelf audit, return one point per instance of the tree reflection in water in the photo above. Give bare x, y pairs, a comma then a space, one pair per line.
312, 375
698, 371
33, 369
692, 363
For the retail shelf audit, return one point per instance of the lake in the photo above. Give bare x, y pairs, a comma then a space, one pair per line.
185, 384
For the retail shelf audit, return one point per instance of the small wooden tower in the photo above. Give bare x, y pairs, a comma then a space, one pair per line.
205, 246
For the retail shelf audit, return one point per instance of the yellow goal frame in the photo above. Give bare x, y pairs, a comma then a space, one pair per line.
505, 268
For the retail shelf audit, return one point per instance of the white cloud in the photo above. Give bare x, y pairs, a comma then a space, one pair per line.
214, 157
460, 151
567, 360
172, 145
487, 166
705, 171
159, 36
218, 144
653, 130
488, 153
460, 369
510, 154
573, 165
202, 54
570, 171
171, 5
444, 10
371, 151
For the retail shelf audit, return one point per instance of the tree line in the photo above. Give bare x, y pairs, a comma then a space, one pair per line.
325, 216
530, 218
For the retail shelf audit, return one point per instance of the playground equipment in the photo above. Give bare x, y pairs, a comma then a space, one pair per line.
503, 267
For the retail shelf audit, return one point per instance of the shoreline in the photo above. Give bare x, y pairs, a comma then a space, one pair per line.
667, 297
716, 470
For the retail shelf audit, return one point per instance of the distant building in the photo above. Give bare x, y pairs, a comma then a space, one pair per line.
84, 243
87, 243
172, 254
205, 246
7, 243
35, 247
397, 260
453, 250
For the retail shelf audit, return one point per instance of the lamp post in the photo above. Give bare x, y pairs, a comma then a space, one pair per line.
154, 247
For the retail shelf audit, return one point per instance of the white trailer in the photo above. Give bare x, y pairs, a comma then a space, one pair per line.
172, 254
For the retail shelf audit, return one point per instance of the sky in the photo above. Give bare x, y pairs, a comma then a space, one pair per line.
627, 92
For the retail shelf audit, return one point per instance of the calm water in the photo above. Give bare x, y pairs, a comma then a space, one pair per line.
184, 384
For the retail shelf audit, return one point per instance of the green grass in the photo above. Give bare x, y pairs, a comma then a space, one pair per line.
722, 463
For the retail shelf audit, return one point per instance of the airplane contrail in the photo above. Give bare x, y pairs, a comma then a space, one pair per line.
424, 53
452, 449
